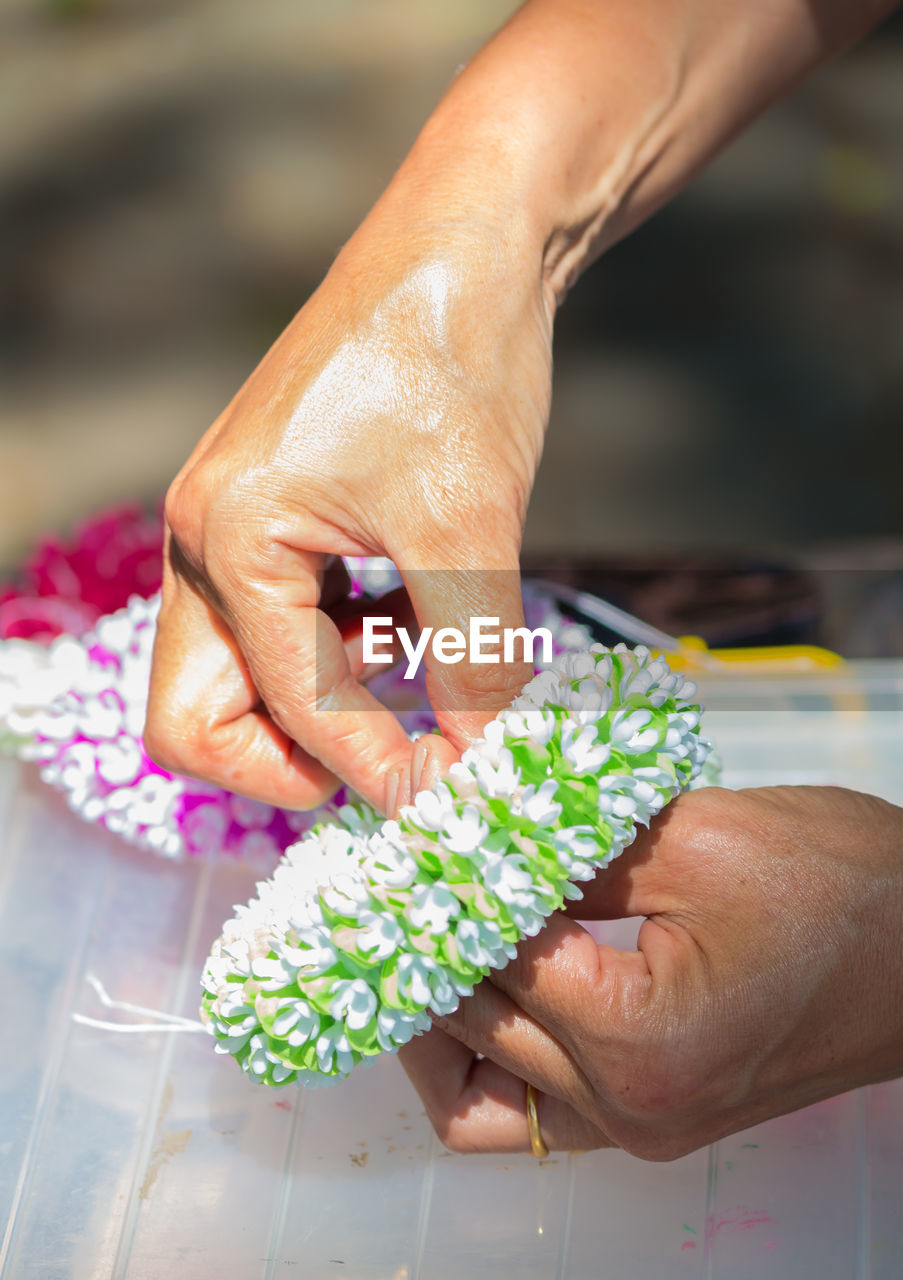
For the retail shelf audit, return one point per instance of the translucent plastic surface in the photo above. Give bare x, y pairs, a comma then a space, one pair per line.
146, 1155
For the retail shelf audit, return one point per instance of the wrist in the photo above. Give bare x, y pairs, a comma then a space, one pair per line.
577, 121
450, 239
543, 142
464, 197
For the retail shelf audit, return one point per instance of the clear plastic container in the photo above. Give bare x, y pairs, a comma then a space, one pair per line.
146, 1155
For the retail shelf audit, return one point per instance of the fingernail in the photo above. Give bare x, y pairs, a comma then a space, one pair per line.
404, 790
392, 780
432, 773
418, 760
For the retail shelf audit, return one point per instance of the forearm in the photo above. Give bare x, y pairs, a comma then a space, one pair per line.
578, 120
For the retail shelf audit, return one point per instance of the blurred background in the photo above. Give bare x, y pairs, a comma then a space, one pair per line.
177, 175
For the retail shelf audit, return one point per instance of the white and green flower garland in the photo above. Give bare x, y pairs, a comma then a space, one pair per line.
368, 924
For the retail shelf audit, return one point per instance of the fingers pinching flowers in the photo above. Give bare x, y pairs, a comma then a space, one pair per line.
258, 695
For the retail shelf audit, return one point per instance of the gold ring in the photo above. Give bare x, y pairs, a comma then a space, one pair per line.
537, 1146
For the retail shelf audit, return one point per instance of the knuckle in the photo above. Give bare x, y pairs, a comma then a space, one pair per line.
715, 824
457, 519
161, 746
453, 1138
657, 1116
182, 510
458, 1136
213, 519
661, 1148
178, 746
661, 1105
493, 684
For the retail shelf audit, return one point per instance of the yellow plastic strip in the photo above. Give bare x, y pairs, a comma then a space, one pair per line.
694, 654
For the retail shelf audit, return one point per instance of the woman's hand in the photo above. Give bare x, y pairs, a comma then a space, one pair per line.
400, 414
767, 977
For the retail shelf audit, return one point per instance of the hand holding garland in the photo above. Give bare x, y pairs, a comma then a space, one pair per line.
767, 977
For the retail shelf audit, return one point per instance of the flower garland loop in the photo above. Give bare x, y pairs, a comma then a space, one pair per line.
368, 924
